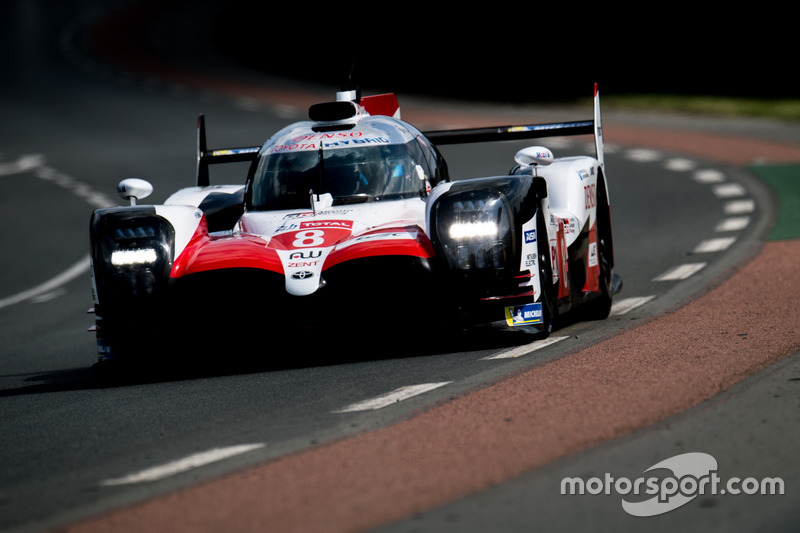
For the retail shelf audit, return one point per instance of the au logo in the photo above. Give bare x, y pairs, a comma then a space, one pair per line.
312, 254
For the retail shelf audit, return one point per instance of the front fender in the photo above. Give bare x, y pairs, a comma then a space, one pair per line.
572, 184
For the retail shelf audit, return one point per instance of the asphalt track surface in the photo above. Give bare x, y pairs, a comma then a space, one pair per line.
706, 363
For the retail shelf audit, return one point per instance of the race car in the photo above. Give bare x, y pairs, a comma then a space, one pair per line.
350, 222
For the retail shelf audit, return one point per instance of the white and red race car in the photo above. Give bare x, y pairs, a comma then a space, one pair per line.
350, 220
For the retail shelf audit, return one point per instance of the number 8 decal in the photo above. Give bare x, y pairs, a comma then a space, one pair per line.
313, 234
309, 238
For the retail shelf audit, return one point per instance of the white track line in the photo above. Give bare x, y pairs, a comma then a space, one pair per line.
23, 164
680, 165
627, 305
390, 398
680, 272
728, 190
714, 245
524, 350
35, 162
68, 275
739, 207
733, 224
709, 176
643, 155
182, 465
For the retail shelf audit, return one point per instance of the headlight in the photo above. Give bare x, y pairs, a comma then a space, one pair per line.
133, 252
141, 256
473, 229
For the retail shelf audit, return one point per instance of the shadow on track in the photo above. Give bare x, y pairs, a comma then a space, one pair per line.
312, 349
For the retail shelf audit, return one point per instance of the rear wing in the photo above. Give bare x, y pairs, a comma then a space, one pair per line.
206, 157
509, 133
532, 131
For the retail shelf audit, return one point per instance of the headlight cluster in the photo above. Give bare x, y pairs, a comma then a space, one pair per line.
473, 230
135, 249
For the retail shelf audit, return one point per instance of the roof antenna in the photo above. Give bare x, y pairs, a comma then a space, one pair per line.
350, 90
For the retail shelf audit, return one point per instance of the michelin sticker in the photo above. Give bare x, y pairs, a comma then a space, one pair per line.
523, 315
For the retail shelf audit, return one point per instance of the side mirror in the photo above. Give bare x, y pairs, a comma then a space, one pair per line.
534, 156
134, 189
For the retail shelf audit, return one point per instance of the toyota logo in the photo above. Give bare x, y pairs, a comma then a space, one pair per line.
303, 274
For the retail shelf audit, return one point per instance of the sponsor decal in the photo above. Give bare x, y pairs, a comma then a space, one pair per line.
327, 224
328, 136
292, 147
312, 234
530, 261
355, 142
529, 253
325, 212
523, 315
593, 254
590, 196
554, 258
302, 264
569, 226
285, 227
308, 254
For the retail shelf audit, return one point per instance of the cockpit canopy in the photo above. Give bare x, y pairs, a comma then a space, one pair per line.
378, 159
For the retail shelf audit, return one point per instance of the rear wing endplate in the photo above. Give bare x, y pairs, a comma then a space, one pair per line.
206, 157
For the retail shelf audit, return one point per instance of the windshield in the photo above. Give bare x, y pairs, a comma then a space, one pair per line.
362, 174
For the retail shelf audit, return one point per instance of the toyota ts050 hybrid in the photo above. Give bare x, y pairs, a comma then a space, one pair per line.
350, 220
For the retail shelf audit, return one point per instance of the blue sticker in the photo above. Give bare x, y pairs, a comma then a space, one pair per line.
530, 236
523, 315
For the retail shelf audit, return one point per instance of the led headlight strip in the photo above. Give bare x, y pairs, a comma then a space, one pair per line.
472, 230
139, 256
